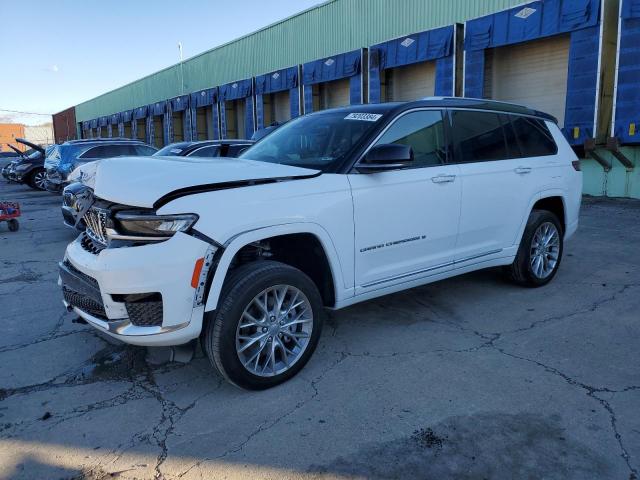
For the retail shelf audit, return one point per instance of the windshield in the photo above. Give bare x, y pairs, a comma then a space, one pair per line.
316, 141
171, 150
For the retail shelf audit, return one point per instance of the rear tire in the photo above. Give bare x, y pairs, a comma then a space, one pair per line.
37, 179
266, 327
540, 252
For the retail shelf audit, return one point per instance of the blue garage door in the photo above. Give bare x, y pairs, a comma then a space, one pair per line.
579, 19
413, 66
158, 124
277, 97
179, 119
204, 115
627, 107
333, 81
236, 109
139, 124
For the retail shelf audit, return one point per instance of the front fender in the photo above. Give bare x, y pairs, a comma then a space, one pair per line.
238, 241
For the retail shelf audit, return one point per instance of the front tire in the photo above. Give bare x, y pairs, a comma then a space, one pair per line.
266, 327
540, 252
37, 179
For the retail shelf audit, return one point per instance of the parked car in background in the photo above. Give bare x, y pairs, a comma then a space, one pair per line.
28, 168
72, 193
66, 157
205, 148
6, 158
333, 208
8, 155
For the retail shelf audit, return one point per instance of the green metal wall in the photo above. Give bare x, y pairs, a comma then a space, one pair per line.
617, 182
333, 27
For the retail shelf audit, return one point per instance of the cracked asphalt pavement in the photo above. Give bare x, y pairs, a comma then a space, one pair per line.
469, 378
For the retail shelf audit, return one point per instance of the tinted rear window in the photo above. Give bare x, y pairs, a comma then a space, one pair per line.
533, 136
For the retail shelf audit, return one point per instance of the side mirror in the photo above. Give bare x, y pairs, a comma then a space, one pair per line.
390, 156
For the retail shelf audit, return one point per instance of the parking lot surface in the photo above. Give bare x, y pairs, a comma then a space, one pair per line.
468, 378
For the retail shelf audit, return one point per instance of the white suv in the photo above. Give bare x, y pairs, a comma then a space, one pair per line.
331, 209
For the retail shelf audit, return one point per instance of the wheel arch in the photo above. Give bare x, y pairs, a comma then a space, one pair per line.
245, 239
544, 198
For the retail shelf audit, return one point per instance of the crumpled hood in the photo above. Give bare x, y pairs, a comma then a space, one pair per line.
143, 181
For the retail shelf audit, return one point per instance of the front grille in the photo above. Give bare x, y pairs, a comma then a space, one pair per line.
96, 221
84, 303
84, 276
145, 314
89, 245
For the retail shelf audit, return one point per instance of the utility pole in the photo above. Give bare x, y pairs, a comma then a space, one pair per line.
181, 68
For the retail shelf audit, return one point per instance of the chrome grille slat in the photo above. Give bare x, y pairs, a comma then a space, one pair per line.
96, 221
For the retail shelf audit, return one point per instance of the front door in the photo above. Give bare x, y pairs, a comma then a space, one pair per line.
406, 220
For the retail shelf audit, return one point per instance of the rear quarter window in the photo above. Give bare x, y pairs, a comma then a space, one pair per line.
534, 137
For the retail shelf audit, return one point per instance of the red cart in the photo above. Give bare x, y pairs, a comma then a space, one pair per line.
9, 212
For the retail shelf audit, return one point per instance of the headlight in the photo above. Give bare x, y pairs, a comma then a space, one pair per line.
149, 225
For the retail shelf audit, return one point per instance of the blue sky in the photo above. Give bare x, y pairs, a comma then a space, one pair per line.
56, 54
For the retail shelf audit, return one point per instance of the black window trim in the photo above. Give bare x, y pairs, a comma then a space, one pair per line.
447, 138
456, 155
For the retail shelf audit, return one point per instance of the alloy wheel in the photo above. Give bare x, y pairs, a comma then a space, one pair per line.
274, 330
39, 180
545, 250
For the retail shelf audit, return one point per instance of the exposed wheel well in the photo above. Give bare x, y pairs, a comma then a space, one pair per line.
553, 205
300, 250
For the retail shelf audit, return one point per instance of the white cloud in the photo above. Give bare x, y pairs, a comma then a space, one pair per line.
53, 68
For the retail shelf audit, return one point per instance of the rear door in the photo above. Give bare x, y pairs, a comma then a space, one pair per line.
406, 220
497, 184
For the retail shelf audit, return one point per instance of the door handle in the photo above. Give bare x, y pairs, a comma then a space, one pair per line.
443, 178
522, 170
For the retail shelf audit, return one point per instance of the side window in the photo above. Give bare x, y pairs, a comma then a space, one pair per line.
106, 151
479, 136
90, 153
533, 136
210, 151
423, 131
143, 150
235, 150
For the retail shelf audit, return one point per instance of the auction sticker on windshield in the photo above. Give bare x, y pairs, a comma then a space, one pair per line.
367, 117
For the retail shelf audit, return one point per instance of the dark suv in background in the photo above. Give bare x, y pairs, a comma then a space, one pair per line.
66, 157
28, 168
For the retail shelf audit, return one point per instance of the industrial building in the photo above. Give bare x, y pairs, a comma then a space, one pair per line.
576, 59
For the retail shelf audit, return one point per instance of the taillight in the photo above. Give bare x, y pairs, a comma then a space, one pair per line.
576, 165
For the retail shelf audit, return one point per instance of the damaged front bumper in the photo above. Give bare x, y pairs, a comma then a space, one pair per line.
142, 295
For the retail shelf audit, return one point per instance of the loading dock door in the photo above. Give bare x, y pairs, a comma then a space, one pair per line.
235, 110
103, 132
177, 121
127, 129
276, 108
140, 129
532, 74
158, 132
331, 94
410, 82
201, 123
281, 107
